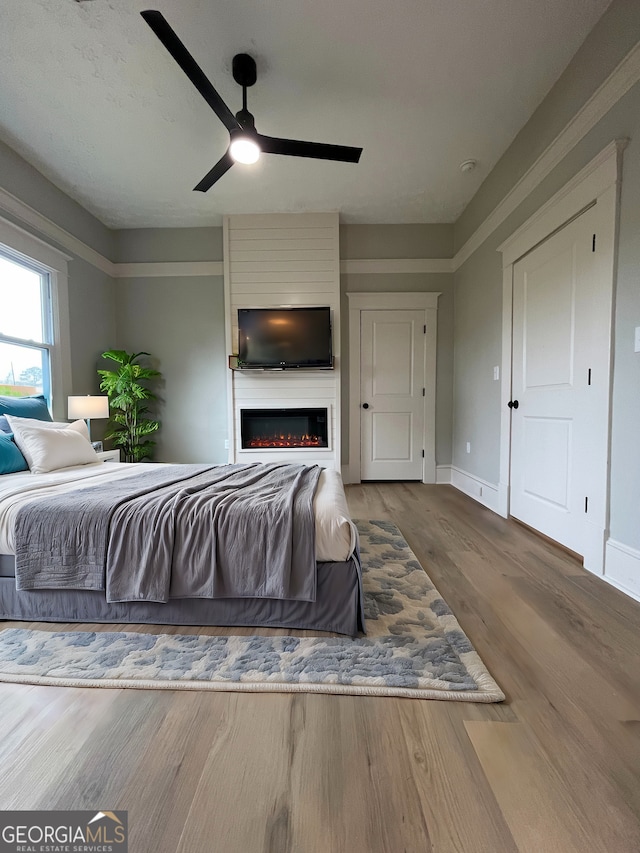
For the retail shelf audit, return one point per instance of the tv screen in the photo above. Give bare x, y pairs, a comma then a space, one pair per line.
284, 337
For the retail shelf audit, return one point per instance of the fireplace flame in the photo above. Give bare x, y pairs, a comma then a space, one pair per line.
289, 440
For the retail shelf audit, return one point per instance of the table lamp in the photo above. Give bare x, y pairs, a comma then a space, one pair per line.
88, 407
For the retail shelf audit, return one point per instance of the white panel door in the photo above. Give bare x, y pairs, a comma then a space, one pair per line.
392, 383
559, 429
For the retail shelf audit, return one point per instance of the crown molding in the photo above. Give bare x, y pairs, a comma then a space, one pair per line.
28, 215
574, 197
617, 84
23, 242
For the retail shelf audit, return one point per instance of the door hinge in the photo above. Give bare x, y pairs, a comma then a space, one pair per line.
424, 330
586, 504
424, 392
423, 454
589, 378
593, 243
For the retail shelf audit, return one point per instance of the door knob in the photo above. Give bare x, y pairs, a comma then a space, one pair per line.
513, 404
365, 405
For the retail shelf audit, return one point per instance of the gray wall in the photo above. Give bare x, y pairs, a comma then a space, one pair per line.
25, 182
396, 241
477, 345
163, 245
625, 445
180, 321
478, 283
92, 322
359, 242
92, 297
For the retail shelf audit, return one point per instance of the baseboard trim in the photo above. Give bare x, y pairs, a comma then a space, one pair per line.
487, 494
622, 568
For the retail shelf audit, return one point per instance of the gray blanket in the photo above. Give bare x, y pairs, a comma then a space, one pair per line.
182, 531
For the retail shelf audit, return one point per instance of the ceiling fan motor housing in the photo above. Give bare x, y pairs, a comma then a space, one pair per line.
246, 120
243, 68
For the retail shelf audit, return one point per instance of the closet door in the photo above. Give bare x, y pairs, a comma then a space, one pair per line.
559, 420
392, 363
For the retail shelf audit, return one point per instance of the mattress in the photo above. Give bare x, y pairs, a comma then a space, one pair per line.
336, 535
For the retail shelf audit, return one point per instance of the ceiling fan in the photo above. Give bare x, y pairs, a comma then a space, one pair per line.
246, 143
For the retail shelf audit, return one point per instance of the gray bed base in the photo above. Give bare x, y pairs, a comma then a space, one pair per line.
338, 605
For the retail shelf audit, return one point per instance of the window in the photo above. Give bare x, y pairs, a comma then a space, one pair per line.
35, 341
26, 327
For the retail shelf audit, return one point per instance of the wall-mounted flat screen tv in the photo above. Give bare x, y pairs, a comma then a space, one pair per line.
284, 337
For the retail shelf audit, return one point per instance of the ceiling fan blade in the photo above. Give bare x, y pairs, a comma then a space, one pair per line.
317, 150
179, 52
222, 166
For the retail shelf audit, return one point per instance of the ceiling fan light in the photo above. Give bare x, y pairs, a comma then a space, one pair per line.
244, 150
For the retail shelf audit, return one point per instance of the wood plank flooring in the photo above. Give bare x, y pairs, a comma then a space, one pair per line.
554, 769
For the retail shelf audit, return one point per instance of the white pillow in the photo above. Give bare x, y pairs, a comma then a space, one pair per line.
80, 426
49, 448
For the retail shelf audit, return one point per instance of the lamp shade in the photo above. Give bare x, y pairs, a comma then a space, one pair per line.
88, 407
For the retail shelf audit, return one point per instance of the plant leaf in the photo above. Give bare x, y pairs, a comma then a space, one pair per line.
129, 424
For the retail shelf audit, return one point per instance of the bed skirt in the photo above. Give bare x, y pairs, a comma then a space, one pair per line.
337, 608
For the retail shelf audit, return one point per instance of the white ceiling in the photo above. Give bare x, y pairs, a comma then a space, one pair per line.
92, 99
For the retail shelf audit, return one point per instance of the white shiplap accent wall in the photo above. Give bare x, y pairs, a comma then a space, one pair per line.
277, 260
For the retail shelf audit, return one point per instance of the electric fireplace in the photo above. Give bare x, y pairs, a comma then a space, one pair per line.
283, 428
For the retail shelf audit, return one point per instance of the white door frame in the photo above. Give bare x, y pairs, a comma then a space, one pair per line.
427, 302
598, 183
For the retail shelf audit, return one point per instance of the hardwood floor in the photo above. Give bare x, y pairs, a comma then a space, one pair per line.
554, 769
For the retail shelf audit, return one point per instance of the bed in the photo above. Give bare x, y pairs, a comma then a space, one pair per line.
337, 596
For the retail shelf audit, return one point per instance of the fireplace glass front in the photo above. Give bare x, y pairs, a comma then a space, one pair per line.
283, 428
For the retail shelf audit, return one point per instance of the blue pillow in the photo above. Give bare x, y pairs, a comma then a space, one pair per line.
25, 407
11, 460
4, 424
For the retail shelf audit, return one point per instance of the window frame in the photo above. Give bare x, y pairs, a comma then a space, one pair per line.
24, 248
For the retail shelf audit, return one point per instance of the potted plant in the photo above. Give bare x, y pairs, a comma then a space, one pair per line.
129, 426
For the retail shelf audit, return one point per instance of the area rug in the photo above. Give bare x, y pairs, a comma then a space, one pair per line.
414, 647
